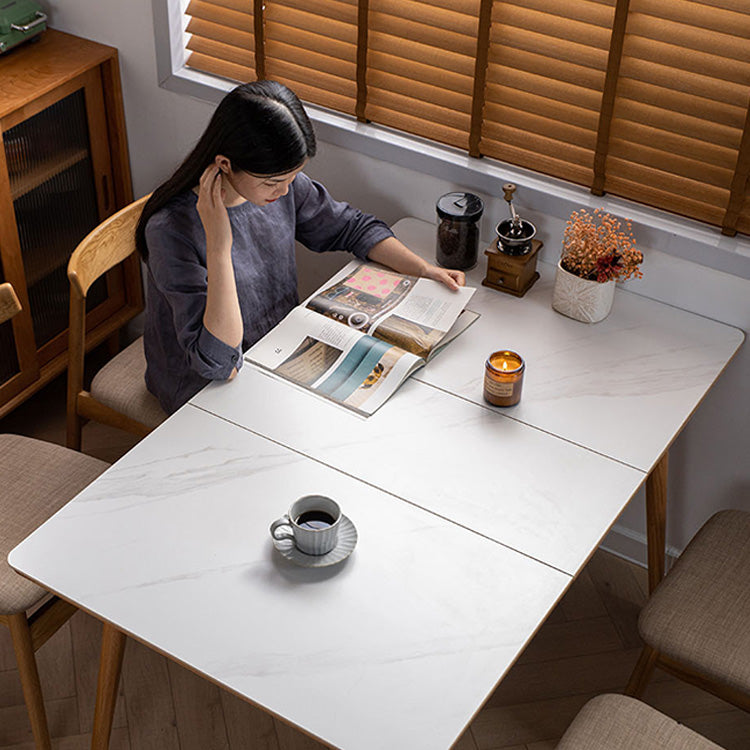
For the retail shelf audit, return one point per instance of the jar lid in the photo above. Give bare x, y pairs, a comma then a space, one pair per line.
460, 206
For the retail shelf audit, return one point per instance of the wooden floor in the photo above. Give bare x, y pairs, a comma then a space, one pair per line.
588, 646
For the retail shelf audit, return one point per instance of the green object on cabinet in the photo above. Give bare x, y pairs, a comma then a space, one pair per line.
20, 20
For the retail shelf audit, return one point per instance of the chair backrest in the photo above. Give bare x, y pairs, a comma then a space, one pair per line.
9, 304
104, 247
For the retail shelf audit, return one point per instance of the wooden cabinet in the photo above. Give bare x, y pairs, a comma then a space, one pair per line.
63, 169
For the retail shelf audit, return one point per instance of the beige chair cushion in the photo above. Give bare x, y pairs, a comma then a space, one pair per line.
617, 722
120, 385
36, 480
699, 614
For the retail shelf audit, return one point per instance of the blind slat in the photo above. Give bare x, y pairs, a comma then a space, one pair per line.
692, 189
282, 18
419, 71
427, 15
676, 164
219, 33
221, 15
599, 14
680, 102
426, 128
581, 117
689, 37
565, 168
682, 62
553, 48
550, 90
539, 64
220, 67
226, 52
413, 31
676, 122
305, 58
684, 204
539, 144
700, 15
440, 59
434, 95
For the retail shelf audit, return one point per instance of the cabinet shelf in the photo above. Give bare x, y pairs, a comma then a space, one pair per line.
26, 181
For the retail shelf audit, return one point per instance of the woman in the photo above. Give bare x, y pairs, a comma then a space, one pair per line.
218, 240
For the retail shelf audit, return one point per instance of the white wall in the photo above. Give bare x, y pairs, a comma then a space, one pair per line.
709, 466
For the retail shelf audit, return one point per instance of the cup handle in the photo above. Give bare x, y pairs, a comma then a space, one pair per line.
283, 521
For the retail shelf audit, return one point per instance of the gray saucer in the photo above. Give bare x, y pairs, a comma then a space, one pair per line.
347, 541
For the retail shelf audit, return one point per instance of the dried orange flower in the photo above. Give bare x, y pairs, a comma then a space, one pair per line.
596, 247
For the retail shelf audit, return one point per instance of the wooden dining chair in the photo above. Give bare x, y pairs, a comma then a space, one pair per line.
118, 395
696, 624
36, 480
617, 722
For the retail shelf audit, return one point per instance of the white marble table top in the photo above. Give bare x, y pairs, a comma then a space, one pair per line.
471, 519
623, 387
395, 648
522, 487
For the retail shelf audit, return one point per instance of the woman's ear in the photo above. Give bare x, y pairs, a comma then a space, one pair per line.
223, 163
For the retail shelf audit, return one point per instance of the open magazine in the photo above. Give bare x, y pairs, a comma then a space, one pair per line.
363, 333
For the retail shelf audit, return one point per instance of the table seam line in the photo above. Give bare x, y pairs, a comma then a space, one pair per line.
532, 426
381, 489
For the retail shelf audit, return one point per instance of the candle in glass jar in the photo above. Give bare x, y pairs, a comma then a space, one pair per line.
503, 378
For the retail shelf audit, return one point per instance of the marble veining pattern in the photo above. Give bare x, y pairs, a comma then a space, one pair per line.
623, 387
518, 485
423, 614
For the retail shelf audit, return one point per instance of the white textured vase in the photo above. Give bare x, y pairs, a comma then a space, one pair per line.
582, 299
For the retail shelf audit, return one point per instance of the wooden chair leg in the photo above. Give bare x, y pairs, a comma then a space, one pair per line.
656, 520
110, 664
642, 672
32, 689
74, 427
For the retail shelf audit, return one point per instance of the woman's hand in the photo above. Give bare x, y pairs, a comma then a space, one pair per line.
213, 212
448, 276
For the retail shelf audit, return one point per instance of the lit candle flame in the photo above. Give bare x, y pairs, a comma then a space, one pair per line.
505, 365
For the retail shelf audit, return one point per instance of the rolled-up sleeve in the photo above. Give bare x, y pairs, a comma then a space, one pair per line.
325, 224
176, 269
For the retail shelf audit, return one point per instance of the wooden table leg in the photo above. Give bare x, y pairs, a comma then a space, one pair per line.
656, 520
110, 663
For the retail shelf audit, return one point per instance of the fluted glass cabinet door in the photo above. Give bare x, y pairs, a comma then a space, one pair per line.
55, 203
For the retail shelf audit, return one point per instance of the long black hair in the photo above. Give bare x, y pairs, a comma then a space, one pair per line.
261, 127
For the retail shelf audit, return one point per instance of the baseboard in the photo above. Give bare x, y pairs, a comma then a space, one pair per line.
631, 545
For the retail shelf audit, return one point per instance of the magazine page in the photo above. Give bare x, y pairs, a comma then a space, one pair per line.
335, 361
412, 313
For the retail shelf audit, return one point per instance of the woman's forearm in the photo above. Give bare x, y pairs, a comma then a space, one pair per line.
222, 316
394, 254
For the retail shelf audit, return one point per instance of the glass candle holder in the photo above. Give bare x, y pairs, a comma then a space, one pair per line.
503, 378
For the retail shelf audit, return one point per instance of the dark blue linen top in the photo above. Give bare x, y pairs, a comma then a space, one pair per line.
182, 356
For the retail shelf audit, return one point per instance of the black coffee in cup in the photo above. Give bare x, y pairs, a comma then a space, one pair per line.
313, 522
315, 519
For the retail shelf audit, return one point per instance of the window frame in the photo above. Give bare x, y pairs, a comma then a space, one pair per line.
674, 235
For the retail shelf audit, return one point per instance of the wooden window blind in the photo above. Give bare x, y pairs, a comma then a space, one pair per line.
644, 99
223, 38
420, 67
681, 106
311, 46
545, 77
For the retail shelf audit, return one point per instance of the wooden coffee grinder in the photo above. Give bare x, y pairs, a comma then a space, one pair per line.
511, 259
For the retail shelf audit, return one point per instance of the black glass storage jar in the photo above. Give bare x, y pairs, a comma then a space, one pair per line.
458, 230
